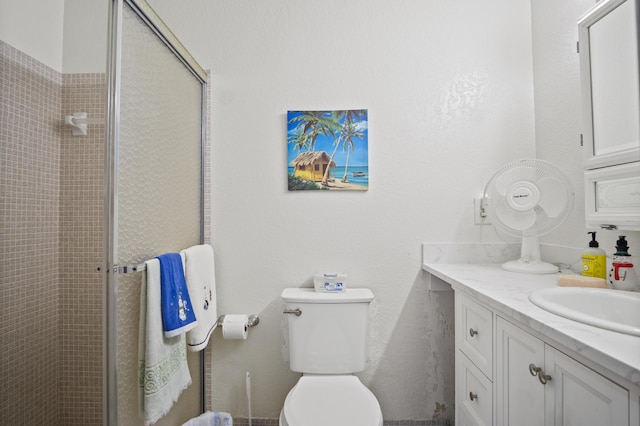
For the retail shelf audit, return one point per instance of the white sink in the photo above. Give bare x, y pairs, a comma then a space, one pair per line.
614, 310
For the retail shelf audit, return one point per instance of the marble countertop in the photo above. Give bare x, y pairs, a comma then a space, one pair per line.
507, 294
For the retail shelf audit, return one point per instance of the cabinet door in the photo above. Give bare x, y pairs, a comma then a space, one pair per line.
577, 395
519, 394
609, 69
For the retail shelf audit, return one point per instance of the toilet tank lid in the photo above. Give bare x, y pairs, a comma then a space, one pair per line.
309, 295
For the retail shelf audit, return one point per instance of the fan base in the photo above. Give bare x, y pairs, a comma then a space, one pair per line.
529, 266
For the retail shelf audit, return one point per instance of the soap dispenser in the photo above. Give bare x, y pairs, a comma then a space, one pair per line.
622, 276
594, 260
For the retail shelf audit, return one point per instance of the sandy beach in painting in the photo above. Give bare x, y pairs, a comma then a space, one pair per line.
345, 186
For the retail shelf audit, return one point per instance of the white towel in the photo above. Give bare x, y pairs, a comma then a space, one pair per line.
211, 419
201, 282
163, 372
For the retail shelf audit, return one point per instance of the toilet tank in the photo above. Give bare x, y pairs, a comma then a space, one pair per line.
329, 335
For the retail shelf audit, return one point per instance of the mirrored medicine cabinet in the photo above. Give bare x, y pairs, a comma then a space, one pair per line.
610, 79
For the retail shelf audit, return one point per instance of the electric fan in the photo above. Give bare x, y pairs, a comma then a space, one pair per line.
528, 198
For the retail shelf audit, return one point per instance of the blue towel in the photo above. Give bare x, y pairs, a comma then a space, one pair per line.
178, 316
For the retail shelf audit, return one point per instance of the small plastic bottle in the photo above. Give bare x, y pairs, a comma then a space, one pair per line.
622, 276
594, 260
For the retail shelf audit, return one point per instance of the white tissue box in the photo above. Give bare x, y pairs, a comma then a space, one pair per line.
330, 282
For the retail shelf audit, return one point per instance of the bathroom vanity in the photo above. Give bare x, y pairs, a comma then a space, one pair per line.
517, 364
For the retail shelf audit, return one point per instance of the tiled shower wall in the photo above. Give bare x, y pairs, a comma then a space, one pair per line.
81, 251
50, 245
30, 96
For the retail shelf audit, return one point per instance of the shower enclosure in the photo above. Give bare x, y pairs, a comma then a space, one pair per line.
75, 211
155, 186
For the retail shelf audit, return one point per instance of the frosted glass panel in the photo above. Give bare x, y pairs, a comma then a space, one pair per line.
158, 189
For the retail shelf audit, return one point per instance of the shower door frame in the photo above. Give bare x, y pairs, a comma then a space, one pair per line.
112, 124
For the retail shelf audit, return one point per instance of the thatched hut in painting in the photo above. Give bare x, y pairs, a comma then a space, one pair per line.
312, 165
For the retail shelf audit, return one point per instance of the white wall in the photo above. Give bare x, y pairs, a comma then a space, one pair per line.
69, 36
85, 36
34, 27
449, 88
558, 102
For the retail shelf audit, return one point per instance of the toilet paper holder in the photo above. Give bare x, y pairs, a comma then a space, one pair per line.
252, 320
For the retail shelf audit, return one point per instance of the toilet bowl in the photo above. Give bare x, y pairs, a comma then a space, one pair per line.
337, 400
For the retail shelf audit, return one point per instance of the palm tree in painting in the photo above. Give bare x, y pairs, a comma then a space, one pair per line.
299, 140
348, 132
353, 115
314, 124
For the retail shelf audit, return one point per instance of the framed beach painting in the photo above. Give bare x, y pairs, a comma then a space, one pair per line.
328, 150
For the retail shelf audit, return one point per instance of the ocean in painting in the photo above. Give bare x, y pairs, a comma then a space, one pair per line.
338, 172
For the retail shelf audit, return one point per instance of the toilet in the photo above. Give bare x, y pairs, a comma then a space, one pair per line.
327, 344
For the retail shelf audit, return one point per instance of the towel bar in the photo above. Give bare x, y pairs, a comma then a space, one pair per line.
129, 269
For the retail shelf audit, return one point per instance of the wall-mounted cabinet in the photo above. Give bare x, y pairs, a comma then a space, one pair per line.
612, 196
610, 73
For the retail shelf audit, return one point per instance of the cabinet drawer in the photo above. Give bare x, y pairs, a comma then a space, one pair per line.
475, 394
476, 337
612, 196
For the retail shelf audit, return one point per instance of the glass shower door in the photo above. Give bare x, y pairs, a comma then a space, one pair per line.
157, 187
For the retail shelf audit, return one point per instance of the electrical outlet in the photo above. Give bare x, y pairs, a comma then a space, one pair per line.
479, 212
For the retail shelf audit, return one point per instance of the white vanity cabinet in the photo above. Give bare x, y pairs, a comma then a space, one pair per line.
538, 385
609, 69
507, 376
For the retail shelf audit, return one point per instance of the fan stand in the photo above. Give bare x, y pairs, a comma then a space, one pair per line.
530, 262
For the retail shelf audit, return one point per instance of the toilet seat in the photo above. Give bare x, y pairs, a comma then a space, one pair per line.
330, 400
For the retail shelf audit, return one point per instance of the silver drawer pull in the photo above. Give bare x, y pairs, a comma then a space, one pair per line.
537, 371
473, 396
296, 312
534, 370
472, 332
544, 378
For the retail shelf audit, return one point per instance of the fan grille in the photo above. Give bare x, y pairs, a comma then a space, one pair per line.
537, 220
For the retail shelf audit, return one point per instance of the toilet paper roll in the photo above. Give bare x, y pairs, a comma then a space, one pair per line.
234, 327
